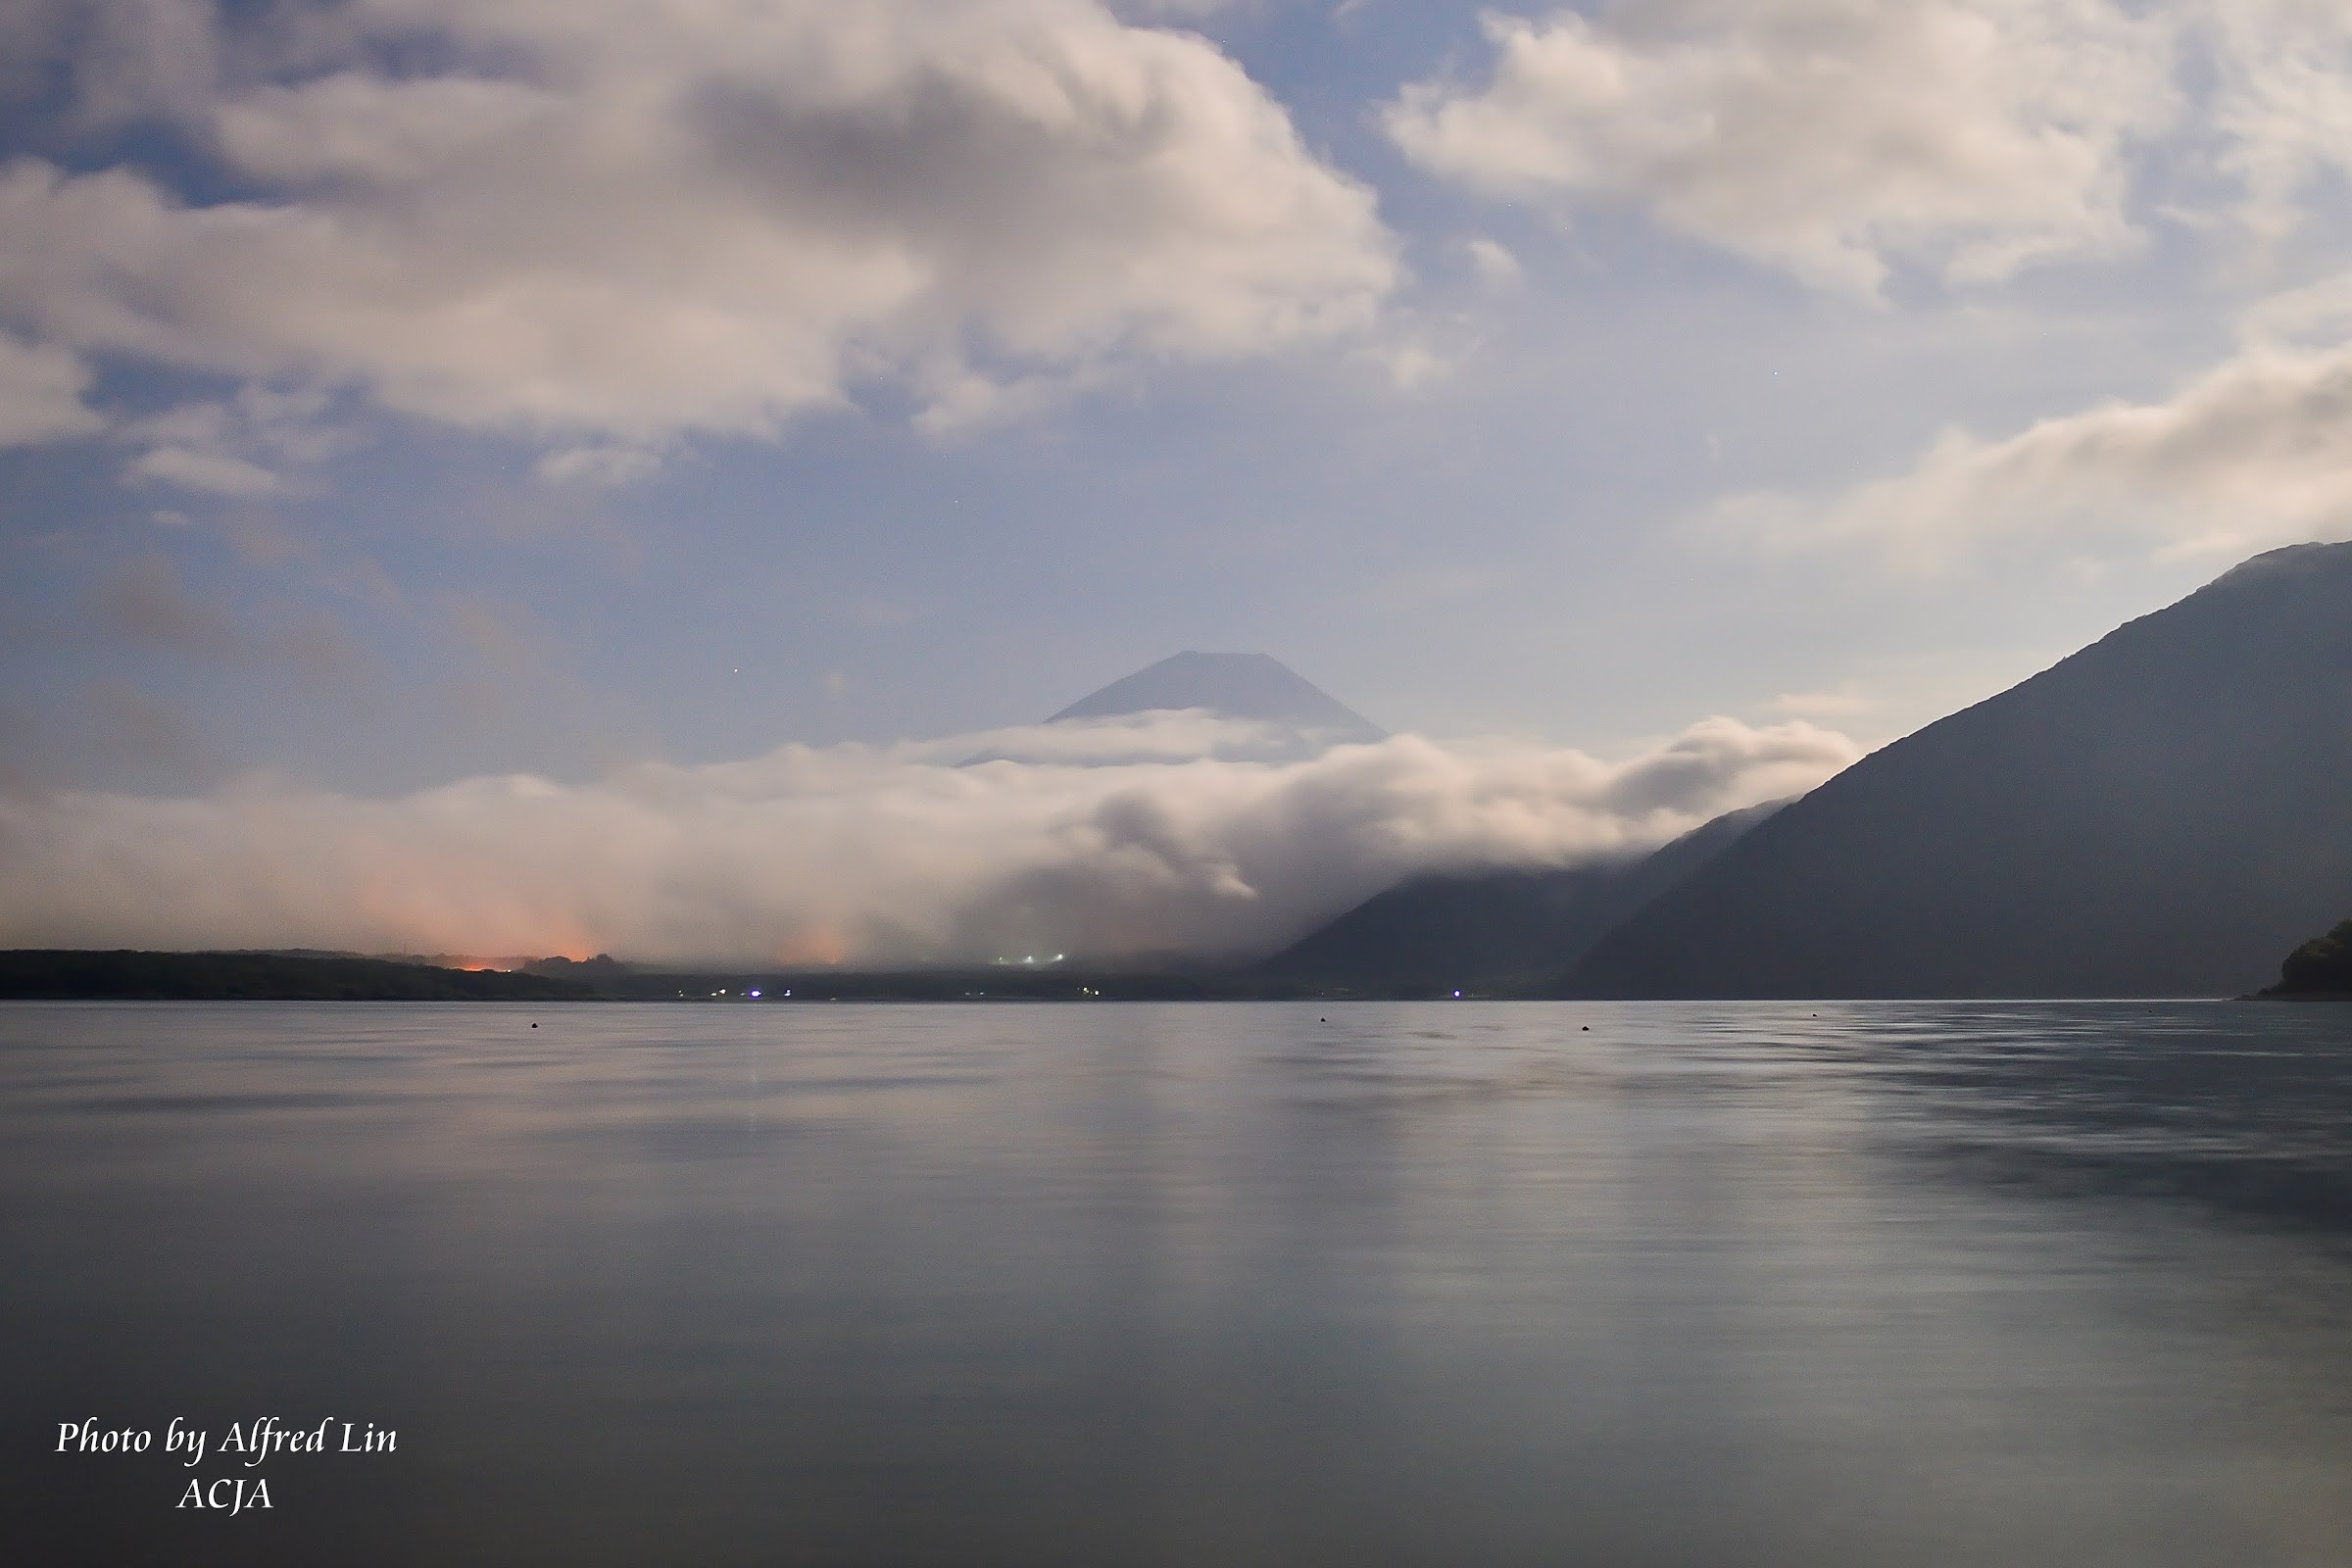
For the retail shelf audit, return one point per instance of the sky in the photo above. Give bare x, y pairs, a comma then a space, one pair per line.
410, 407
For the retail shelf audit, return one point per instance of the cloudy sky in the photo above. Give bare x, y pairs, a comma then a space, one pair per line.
397, 396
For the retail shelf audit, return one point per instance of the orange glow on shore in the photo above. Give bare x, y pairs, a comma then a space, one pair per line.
822, 946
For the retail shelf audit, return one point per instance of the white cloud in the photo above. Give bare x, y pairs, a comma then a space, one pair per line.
1176, 9
2316, 316
41, 390
2282, 101
1493, 262
1831, 138
1157, 735
606, 220
2255, 451
212, 473
226, 447
608, 467
860, 854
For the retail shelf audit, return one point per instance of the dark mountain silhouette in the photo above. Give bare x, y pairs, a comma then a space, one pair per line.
1495, 929
2161, 815
128, 974
2320, 968
1232, 686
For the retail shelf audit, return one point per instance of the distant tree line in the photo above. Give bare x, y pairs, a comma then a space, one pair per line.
133, 976
69, 974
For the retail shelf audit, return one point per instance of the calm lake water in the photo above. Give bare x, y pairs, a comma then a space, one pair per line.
1446, 1283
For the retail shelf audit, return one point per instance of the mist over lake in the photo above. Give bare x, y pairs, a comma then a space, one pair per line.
1543, 1283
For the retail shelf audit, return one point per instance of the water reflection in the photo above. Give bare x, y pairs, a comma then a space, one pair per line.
1435, 1283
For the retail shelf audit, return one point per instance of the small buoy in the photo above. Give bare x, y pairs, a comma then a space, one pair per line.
1322, 1020
534, 1026
1586, 1028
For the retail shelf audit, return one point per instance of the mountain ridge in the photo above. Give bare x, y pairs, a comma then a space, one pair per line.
2160, 813
1506, 928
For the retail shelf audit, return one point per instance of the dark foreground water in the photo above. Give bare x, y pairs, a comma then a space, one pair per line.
1461, 1285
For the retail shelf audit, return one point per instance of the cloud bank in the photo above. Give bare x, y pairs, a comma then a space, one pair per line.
1826, 137
609, 225
860, 855
2251, 452
1838, 140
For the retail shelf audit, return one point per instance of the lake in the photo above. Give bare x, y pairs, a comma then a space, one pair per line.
1466, 1283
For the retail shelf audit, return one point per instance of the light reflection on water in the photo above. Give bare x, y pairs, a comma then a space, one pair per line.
1761, 1284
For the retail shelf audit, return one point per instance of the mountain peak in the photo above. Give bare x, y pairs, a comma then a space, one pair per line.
1248, 686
